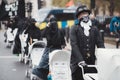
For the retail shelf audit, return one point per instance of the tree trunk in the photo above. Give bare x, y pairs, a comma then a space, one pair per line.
21, 8
111, 7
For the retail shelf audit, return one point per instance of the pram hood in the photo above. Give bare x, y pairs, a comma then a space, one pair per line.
37, 44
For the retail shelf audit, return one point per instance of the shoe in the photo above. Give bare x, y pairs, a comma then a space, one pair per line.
35, 77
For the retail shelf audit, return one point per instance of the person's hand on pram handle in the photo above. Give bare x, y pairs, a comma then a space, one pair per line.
82, 63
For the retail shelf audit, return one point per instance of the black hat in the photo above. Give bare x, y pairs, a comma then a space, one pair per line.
52, 19
81, 9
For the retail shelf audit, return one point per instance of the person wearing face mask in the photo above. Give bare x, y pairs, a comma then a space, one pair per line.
115, 28
55, 40
83, 37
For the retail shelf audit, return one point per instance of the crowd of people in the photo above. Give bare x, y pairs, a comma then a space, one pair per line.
84, 37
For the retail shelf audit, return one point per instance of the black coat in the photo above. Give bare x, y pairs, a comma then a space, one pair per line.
34, 32
55, 38
79, 46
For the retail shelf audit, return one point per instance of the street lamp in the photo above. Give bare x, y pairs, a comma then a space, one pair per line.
29, 8
92, 4
41, 4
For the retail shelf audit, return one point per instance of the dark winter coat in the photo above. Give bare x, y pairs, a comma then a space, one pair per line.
55, 40
22, 25
34, 32
54, 36
83, 47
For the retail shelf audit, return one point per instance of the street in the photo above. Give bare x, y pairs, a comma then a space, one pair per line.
10, 67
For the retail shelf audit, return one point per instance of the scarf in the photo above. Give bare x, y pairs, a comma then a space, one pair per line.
86, 27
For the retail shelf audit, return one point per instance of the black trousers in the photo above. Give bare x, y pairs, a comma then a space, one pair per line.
77, 75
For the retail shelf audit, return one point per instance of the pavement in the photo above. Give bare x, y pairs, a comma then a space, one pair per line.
107, 45
10, 67
110, 42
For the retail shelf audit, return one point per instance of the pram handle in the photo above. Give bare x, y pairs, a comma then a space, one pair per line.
87, 65
35, 40
95, 66
81, 68
92, 66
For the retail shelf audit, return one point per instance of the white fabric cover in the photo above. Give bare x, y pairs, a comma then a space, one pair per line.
59, 62
108, 62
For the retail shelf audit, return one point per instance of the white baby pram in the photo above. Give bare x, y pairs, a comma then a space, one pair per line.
108, 65
23, 40
59, 65
108, 62
35, 55
9, 37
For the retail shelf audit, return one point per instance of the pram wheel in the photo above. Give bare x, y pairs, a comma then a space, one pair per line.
30, 63
26, 59
34, 77
27, 73
21, 58
8, 46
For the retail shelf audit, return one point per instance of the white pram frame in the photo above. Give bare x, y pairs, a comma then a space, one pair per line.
10, 36
34, 58
23, 38
35, 63
89, 76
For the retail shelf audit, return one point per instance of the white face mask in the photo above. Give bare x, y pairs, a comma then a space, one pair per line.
86, 26
84, 16
85, 19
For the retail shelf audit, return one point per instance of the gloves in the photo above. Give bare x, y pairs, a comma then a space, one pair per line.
82, 63
48, 24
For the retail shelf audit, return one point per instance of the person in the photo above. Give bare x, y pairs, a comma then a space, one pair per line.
23, 26
83, 37
67, 30
115, 28
34, 31
97, 24
94, 21
55, 40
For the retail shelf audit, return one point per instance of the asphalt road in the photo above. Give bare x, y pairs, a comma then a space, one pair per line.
10, 67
